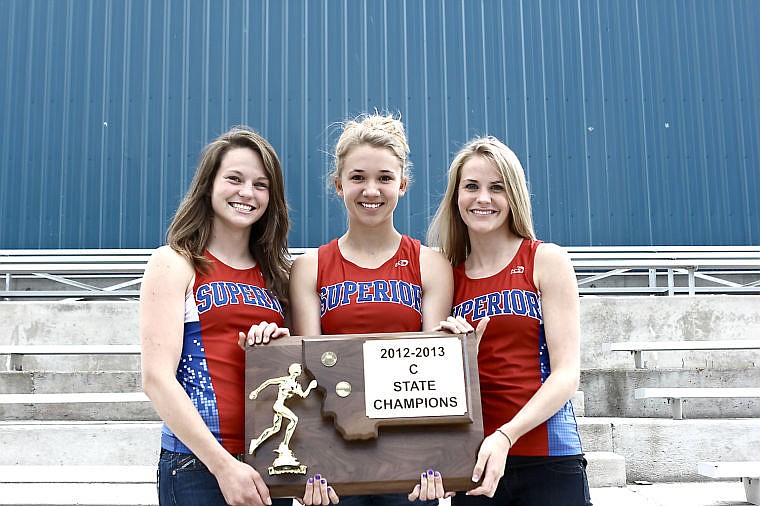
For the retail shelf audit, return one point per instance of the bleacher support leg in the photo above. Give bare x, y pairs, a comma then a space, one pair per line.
677, 407
692, 282
752, 489
638, 360
14, 362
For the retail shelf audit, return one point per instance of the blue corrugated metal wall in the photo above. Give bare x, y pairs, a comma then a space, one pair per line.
637, 121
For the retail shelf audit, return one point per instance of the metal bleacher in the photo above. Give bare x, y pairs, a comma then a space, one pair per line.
69, 410
613, 270
666, 270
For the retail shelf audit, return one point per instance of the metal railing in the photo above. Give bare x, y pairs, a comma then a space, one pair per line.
630, 270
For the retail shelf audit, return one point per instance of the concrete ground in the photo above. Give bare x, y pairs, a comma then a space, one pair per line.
672, 494
666, 494
659, 494
716, 493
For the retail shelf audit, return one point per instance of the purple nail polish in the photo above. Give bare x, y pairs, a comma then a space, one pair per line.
311, 480
324, 482
318, 477
430, 471
437, 474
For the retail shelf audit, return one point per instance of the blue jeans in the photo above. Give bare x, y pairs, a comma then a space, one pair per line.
183, 480
563, 482
383, 500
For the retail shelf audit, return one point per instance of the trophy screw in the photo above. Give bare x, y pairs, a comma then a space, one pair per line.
329, 359
343, 389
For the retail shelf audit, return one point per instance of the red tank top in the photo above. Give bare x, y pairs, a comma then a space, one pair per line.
356, 300
222, 303
513, 359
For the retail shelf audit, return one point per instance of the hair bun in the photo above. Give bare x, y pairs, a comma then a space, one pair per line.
378, 130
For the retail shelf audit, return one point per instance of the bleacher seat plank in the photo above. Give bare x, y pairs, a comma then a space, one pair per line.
749, 469
747, 472
637, 347
689, 392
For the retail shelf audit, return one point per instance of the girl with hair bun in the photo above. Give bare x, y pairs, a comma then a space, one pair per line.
371, 174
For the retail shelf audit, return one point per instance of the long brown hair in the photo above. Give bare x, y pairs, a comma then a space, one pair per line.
190, 229
448, 231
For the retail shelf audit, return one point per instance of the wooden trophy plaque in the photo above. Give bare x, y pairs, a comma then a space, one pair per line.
368, 412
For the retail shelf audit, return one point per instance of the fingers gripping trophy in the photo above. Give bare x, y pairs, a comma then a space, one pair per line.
286, 462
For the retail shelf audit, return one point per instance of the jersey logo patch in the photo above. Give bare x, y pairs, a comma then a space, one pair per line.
402, 263
517, 270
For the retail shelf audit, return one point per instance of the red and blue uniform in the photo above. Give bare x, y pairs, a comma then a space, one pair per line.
357, 300
513, 359
211, 369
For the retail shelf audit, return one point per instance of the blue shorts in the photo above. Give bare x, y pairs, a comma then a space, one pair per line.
560, 482
183, 480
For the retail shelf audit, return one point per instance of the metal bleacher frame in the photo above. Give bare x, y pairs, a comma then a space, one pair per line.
108, 274
639, 270
72, 273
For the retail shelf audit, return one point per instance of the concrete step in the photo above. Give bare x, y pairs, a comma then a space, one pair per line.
135, 485
95, 322
700, 317
80, 443
137, 443
654, 450
655, 494
82, 484
76, 363
45, 382
605, 469
596, 434
54, 485
89, 494
579, 403
670, 494
666, 450
96, 406
108, 485
611, 392
64, 323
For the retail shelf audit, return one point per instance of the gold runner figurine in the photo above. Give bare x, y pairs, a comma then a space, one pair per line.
286, 462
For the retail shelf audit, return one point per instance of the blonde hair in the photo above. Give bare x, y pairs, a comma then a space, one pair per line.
190, 230
448, 231
377, 130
